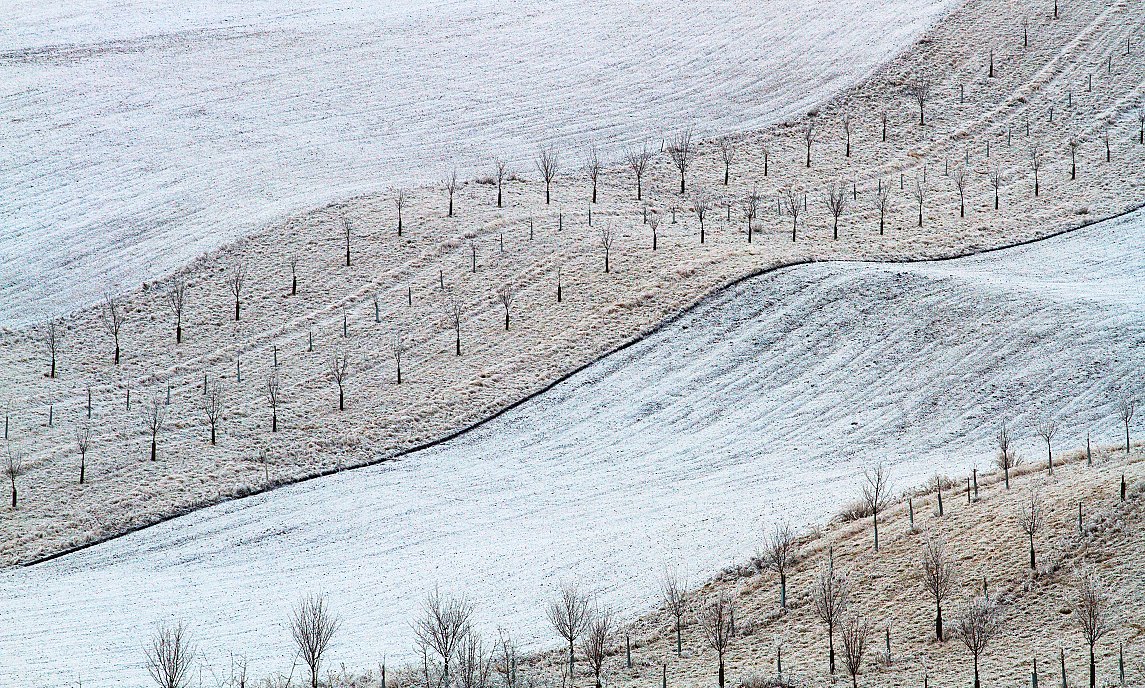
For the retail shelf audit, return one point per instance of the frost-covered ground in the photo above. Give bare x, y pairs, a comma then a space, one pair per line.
136, 135
765, 402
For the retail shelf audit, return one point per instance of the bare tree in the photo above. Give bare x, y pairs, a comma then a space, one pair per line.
474, 665
847, 131
607, 236
638, 163
680, 150
506, 296
212, 405
570, 616
451, 186
920, 194
716, 622
53, 335
1036, 163
979, 623
443, 626
1046, 429
1091, 613
701, 204
500, 173
882, 202
1007, 453
766, 155
1105, 139
778, 555
831, 596
856, 632
654, 225
548, 163
1031, 519
727, 155
1125, 408
592, 168
177, 299
236, 282
294, 275
676, 598
112, 317
595, 643
1074, 144
959, 177
793, 205
400, 200
876, 494
1141, 124
836, 201
937, 575
398, 348
996, 181
339, 370
273, 392
750, 210
883, 120
13, 468
920, 91
507, 659
453, 313
170, 656
809, 138
153, 417
83, 441
313, 626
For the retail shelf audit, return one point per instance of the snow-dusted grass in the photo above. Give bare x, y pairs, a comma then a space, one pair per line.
139, 134
764, 403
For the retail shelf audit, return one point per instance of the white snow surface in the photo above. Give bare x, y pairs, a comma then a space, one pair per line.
136, 134
765, 402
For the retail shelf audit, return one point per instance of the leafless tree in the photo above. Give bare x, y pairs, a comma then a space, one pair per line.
960, 179
453, 313
1025, 32
112, 317
1141, 124
1046, 429
339, 369
595, 643
919, 89
836, 201
937, 575
1105, 139
1074, 144
847, 131
398, 348
593, 167
400, 200
500, 173
170, 656
548, 163
1036, 163
638, 163
778, 555
680, 150
273, 396
13, 468
506, 659
1007, 453
53, 335
474, 664
236, 282
443, 626
676, 599
212, 405
996, 181
654, 225
727, 155
831, 596
876, 494
313, 626
451, 186
793, 203
766, 155
607, 236
506, 296
701, 204
716, 622
883, 119
177, 299
293, 275
83, 441
882, 202
809, 138
750, 210
570, 616
1031, 519
919, 196
1091, 613
980, 622
1125, 409
856, 632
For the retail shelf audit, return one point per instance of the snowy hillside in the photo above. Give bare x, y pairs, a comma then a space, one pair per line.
765, 402
137, 135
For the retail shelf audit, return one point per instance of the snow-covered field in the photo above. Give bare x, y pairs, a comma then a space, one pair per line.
765, 402
136, 135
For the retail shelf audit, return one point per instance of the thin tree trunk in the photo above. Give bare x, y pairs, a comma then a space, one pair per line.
938, 621
153, 448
